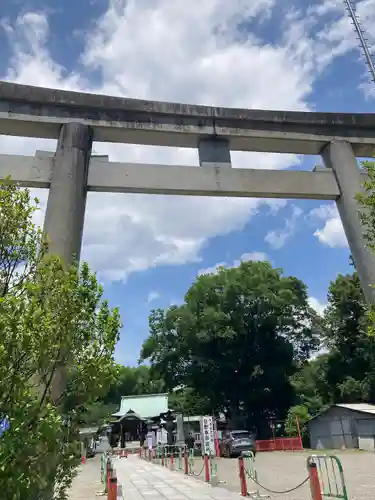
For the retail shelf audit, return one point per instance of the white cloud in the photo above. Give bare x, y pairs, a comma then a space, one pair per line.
245, 257
153, 296
332, 233
145, 49
339, 36
255, 256
317, 305
277, 238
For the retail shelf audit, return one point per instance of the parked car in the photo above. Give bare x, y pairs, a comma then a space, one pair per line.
236, 442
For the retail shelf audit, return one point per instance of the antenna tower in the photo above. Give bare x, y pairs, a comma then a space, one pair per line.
363, 41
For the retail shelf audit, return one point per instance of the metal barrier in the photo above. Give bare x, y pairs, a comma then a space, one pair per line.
191, 457
280, 444
108, 478
330, 475
170, 456
103, 468
182, 459
250, 468
166, 455
244, 473
213, 472
206, 469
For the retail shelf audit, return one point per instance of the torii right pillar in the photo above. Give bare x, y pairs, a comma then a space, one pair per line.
339, 156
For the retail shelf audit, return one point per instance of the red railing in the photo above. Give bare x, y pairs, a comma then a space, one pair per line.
280, 444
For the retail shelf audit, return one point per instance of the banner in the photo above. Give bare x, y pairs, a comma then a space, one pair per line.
208, 436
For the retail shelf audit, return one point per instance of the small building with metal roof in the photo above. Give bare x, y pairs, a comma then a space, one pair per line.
143, 407
344, 426
137, 415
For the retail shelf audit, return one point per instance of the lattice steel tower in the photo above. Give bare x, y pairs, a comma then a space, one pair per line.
363, 41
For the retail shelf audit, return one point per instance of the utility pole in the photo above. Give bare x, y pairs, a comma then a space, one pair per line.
351, 8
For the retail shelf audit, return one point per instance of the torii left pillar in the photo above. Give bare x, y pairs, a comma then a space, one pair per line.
66, 204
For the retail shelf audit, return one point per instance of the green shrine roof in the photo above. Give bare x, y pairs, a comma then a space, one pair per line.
144, 406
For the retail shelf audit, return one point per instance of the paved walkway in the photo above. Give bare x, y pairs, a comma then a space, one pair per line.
142, 480
87, 484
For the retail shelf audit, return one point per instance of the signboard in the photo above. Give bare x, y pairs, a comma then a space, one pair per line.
150, 440
161, 436
208, 436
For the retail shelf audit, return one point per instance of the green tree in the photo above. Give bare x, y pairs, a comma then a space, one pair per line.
236, 340
297, 415
21, 242
132, 381
97, 414
367, 204
55, 329
346, 372
367, 216
351, 367
310, 385
187, 401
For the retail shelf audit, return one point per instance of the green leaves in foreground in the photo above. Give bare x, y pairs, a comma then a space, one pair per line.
57, 340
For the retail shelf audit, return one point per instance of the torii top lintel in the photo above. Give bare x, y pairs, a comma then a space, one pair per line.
39, 112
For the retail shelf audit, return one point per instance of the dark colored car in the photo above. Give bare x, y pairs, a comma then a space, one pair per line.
90, 453
234, 443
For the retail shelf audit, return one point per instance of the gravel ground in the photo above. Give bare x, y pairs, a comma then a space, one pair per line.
284, 470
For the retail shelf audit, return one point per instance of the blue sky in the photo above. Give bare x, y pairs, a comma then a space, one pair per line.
273, 54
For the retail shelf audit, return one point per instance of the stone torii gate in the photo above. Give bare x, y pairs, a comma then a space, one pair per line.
77, 119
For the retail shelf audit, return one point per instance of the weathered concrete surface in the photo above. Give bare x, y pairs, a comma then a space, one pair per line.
338, 156
104, 176
39, 112
66, 203
214, 153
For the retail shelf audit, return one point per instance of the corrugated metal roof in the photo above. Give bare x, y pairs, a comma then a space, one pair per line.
146, 406
362, 407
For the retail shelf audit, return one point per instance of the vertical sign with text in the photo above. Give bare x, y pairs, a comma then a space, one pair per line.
208, 436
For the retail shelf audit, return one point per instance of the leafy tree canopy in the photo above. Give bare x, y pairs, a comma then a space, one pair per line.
236, 340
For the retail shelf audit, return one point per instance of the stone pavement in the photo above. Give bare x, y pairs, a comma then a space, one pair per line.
142, 480
87, 482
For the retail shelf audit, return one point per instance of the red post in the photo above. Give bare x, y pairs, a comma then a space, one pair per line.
186, 462
241, 470
316, 493
162, 455
140, 452
112, 490
206, 468
217, 447
299, 432
172, 462
109, 476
